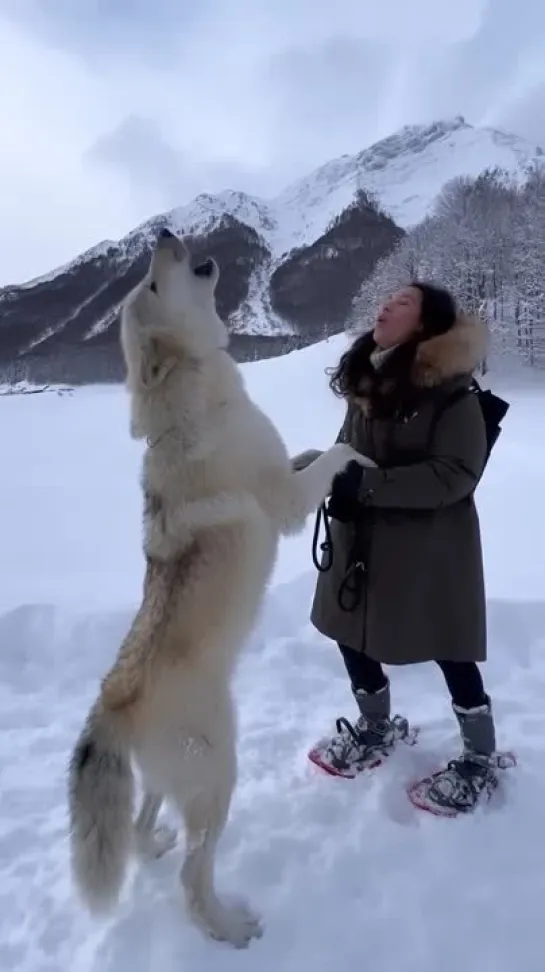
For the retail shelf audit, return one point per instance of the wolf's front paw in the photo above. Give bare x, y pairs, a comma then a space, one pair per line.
351, 455
304, 459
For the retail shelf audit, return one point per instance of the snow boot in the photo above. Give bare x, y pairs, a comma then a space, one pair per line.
366, 744
471, 779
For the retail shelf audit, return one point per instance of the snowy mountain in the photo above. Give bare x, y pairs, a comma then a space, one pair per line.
291, 265
404, 172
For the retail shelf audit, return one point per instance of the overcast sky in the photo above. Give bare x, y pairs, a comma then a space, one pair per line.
113, 110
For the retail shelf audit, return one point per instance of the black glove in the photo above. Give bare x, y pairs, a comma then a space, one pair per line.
345, 504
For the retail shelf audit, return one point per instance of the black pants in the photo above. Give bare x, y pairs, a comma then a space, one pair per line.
464, 680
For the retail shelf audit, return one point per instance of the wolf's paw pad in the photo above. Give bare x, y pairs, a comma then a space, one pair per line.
236, 925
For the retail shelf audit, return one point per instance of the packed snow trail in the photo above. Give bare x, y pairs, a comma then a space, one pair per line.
345, 873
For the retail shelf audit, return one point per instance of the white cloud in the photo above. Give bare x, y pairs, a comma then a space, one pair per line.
51, 204
113, 111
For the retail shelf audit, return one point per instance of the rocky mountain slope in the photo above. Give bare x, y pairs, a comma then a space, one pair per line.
290, 265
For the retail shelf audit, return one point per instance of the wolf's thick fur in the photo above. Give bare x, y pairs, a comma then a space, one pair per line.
219, 491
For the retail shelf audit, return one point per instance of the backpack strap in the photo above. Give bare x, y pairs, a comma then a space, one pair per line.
493, 408
447, 400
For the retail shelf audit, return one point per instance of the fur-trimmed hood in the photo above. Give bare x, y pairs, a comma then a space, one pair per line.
409, 370
454, 354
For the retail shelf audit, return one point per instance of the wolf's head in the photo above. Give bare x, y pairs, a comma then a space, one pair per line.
175, 302
170, 318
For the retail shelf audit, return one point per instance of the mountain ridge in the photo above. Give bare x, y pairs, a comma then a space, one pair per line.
261, 213
275, 254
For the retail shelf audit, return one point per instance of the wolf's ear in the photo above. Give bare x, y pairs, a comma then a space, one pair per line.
156, 363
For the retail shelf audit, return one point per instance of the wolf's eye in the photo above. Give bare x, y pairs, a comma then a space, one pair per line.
153, 287
205, 269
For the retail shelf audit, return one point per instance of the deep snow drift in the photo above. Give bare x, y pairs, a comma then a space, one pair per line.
346, 873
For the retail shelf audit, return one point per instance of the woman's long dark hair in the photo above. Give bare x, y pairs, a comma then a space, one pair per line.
355, 375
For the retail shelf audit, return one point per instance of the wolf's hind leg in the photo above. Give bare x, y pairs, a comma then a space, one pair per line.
205, 816
152, 841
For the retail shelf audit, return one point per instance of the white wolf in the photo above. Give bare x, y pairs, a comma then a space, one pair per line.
219, 491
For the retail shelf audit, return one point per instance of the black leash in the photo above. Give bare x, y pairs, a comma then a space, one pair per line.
350, 590
327, 546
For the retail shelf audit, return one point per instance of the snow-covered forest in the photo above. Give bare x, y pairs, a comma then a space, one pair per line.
486, 242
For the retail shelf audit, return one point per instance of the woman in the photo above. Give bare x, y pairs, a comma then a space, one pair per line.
405, 581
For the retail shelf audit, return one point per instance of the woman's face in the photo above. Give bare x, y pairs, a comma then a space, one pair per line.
398, 318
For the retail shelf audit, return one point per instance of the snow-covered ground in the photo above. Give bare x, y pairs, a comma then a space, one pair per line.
346, 873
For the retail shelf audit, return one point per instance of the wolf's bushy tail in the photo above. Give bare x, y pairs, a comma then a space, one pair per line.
100, 798
101, 783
